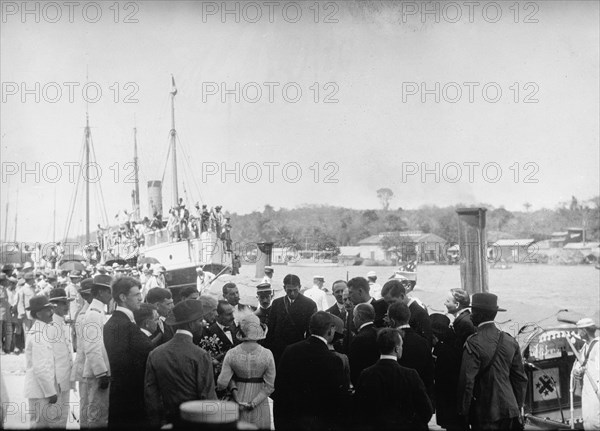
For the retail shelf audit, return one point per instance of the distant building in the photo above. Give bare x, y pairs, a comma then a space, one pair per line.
558, 239
513, 250
424, 247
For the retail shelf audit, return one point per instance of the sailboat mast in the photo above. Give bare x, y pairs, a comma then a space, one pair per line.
174, 145
16, 212
87, 178
136, 197
6, 216
54, 219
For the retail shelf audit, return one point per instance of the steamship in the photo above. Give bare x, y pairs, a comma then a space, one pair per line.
181, 258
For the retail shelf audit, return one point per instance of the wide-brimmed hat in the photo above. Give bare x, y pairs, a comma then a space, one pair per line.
485, 301
101, 281
59, 294
86, 286
371, 274
38, 302
318, 277
251, 329
586, 322
269, 269
186, 311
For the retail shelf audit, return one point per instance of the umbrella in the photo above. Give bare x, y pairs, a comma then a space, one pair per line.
117, 261
73, 256
11, 253
72, 265
147, 259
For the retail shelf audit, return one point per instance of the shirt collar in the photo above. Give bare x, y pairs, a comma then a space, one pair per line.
145, 331
126, 311
184, 332
97, 304
410, 301
485, 323
223, 327
57, 318
391, 357
320, 338
403, 326
459, 312
364, 324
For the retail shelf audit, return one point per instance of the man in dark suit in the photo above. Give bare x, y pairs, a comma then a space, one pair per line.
395, 291
416, 351
388, 395
457, 303
492, 381
340, 310
358, 288
178, 370
163, 300
363, 349
147, 320
127, 348
289, 318
231, 294
224, 328
310, 381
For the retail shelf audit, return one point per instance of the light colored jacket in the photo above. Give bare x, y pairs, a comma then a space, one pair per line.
40, 374
26, 292
60, 337
77, 370
96, 359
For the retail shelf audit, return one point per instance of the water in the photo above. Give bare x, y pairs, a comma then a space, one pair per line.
530, 293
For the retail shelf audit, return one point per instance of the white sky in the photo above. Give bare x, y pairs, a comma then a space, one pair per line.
368, 134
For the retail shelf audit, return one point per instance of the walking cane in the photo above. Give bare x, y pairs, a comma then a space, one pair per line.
571, 392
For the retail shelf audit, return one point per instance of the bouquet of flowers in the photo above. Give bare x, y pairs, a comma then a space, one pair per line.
214, 347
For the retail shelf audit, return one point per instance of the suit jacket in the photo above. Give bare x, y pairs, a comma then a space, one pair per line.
127, 348
59, 334
419, 321
501, 390
263, 315
176, 371
416, 354
214, 329
463, 327
288, 324
166, 332
390, 397
334, 309
381, 308
363, 351
309, 387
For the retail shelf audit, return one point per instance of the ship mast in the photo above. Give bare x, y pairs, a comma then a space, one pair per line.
6, 216
173, 145
87, 178
16, 212
136, 192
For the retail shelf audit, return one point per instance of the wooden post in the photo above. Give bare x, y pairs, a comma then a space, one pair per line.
263, 257
473, 249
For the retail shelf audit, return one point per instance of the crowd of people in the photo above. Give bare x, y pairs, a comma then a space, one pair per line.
364, 363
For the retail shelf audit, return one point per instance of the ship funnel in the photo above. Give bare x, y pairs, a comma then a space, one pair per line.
473, 249
155, 198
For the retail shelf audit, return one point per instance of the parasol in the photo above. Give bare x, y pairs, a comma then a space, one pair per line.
117, 261
72, 265
147, 259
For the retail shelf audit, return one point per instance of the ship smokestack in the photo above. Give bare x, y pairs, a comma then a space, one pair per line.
473, 249
155, 197
263, 258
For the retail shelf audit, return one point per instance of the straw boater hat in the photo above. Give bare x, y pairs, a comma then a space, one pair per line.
485, 301
75, 274
186, 311
269, 269
371, 274
586, 322
59, 294
251, 329
38, 303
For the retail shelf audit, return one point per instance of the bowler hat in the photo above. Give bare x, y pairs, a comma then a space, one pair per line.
186, 311
7, 267
59, 294
101, 281
485, 301
38, 302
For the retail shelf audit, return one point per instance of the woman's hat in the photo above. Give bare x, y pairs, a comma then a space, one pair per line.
186, 311
251, 329
485, 301
38, 302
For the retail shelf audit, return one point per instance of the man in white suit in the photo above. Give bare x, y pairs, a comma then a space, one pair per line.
63, 351
96, 368
40, 375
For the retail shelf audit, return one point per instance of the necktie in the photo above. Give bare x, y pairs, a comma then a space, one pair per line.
343, 314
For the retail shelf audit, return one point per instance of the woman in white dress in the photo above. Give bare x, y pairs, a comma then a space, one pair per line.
249, 371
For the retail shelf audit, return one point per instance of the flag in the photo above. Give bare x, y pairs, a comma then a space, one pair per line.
173, 87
